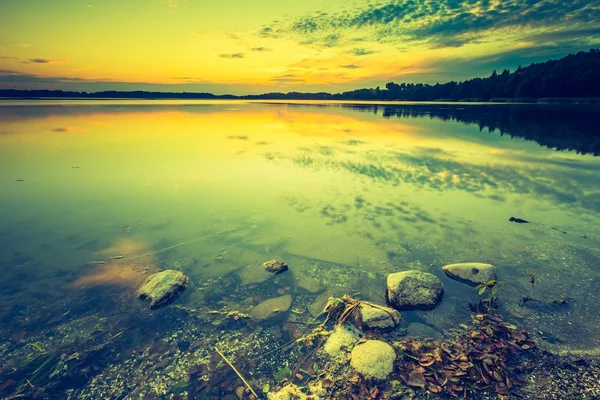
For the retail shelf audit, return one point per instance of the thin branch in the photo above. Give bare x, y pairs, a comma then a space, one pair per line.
237, 373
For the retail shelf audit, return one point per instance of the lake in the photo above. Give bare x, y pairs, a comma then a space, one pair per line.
98, 195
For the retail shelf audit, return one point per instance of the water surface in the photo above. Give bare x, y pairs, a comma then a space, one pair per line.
345, 193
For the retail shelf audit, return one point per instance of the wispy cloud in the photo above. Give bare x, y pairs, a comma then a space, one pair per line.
260, 48
38, 61
350, 66
232, 55
361, 52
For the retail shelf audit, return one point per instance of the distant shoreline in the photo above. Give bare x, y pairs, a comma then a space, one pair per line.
551, 100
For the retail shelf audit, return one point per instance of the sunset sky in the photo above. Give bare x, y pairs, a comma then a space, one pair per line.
256, 46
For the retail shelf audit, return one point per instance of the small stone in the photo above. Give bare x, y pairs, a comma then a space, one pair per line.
413, 290
342, 339
163, 288
272, 308
275, 266
379, 317
373, 358
472, 273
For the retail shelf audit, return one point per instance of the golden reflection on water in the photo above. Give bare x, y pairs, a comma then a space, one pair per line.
243, 183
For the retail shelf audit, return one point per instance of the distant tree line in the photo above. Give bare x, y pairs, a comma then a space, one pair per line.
574, 76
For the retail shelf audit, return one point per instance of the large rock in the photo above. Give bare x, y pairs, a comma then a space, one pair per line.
342, 339
373, 359
369, 316
412, 290
271, 308
472, 273
163, 288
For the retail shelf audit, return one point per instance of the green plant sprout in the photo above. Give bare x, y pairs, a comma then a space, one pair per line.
491, 287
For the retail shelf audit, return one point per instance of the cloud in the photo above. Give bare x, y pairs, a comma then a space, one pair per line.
287, 78
563, 34
350, 66
449, 23
260, 48
38, 61
233, 55
62, 129
362, 52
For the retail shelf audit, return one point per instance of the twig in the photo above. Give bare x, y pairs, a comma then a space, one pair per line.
237, 373
29, 383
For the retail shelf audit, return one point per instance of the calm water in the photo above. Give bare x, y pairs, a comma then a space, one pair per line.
346, 194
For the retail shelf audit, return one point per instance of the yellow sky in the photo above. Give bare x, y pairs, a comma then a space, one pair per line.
239, 46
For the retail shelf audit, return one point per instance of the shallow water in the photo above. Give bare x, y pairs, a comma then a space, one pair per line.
345, 193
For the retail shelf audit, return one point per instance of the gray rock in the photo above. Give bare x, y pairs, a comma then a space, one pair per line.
253, 273
163, 288
472, 273
373, 359
271, 308
275, 266
343, 339
316, 307
412, 290
380, 317
416, 329
306, 282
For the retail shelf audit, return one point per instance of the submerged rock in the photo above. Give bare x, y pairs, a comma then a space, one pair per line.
253, 273
316, 307
416, 329
271, 308
373, 358
306, 282
275, 266
518, 220
376, 317
343, 339
411, 290
163, 288
472, 273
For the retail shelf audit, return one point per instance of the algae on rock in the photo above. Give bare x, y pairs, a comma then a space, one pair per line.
163, 288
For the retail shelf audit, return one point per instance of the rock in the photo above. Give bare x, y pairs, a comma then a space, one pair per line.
291, 392
271, 308
412, 290
275, 266
373, 358
472, 273
163, 288
253, 273
381, 317
306, 282
319, 304
343, 339
518, 220
417, 329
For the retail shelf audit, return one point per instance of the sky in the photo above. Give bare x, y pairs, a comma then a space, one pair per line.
259, 46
